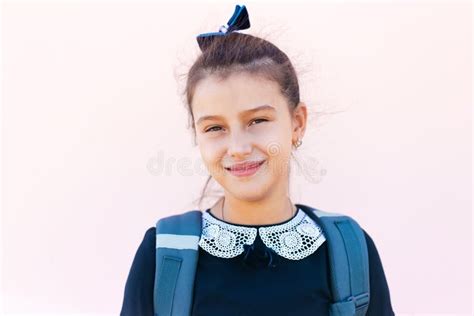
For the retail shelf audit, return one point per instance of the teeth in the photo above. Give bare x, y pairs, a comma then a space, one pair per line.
253, 165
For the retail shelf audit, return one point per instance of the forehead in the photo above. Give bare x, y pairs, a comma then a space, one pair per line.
235, 94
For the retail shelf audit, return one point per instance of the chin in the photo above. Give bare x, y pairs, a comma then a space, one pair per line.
248, 196
251, 190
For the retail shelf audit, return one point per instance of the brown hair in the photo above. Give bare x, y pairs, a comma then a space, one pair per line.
240, 52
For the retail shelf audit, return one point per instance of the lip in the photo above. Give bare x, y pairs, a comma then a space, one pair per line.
245, 169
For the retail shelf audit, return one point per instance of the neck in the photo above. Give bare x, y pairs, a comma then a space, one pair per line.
268, 211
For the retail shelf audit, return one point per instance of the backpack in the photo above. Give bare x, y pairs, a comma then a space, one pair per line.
177, 252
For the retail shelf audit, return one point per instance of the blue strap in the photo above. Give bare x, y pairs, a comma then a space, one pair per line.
342, 308
348, 260
358, 274
167, 284
177, 240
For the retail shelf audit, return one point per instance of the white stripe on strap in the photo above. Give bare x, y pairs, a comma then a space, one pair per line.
177, 241
323, 213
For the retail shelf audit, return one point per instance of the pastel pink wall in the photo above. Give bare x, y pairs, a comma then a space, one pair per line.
91, 113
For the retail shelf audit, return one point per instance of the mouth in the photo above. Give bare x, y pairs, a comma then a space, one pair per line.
246, 170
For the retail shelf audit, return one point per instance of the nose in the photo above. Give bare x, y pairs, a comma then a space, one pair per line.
239, 146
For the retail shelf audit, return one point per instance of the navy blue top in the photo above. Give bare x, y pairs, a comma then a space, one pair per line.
248, 285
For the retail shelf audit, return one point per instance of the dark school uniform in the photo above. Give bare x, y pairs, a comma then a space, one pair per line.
256, 282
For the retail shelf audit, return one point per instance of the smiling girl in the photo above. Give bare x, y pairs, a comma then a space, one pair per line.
254, 252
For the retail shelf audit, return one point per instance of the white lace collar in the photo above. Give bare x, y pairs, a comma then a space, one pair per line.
295, 239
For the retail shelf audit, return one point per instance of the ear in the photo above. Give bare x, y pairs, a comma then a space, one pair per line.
299, 121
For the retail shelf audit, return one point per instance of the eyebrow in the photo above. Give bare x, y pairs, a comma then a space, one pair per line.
243, 113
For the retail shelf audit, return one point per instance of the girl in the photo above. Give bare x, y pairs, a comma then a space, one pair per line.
259, 253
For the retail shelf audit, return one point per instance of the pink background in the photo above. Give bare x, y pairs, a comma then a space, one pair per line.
91, 113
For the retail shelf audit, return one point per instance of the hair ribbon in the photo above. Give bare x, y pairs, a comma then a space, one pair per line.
238, 21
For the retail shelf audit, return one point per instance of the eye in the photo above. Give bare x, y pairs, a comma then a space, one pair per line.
260, 119
211, 129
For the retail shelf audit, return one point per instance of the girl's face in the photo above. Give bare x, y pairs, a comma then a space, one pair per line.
245, 118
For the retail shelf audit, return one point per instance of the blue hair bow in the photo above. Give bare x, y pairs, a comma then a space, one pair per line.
238, 21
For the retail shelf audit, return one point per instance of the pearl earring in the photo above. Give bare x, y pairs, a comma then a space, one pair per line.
298, 143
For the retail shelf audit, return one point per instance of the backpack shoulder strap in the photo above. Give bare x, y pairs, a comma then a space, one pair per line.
177, 240
348, 259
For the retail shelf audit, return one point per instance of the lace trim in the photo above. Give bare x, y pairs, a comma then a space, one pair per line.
294, 240
224, 240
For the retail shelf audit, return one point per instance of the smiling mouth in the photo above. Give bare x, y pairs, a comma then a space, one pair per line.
249, 166
247, 170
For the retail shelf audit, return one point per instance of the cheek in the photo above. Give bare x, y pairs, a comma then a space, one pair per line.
210, 154
279, 162
277, 144
278, 151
